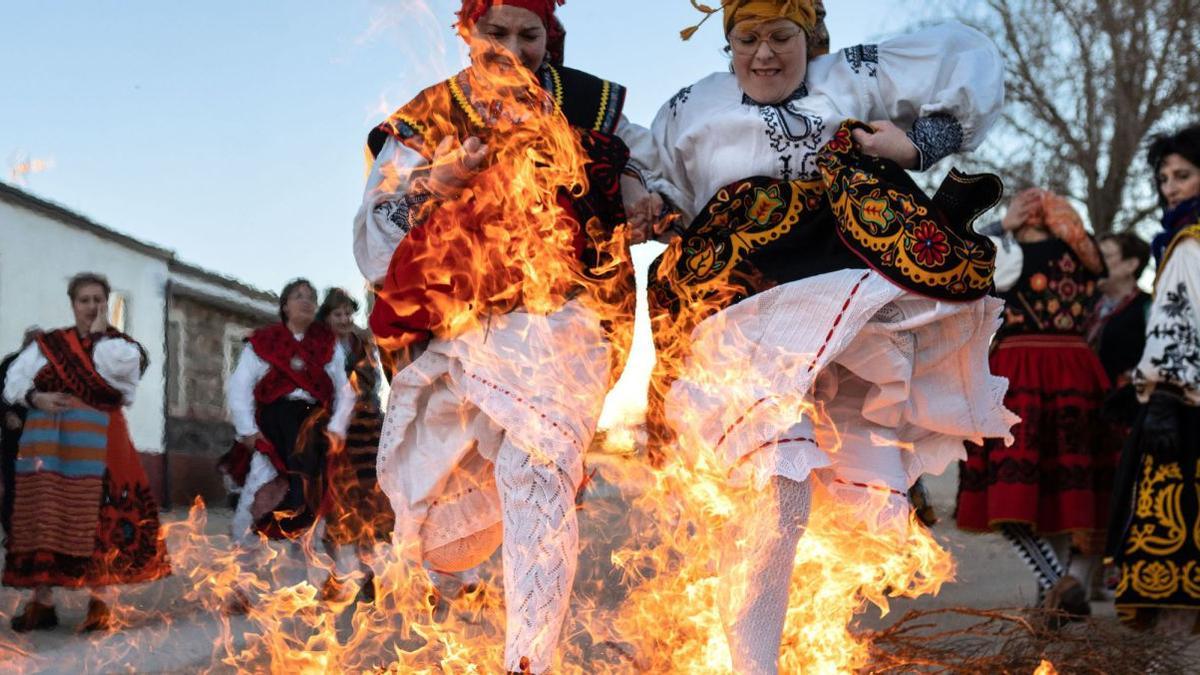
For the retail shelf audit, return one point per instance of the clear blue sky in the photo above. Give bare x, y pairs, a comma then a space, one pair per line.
232, 132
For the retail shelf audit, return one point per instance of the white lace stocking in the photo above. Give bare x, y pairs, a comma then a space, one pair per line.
756, 575
540, 552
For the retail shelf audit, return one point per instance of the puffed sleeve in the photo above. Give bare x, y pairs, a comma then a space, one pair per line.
1172, 354
391, 202
1010, 260
21, 373
343, 402
944, 85
119, 362
239, 391
640, 143
661, 159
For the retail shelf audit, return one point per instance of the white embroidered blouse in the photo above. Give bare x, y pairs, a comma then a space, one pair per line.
1172, 354
117, 360
239, 391
944, 85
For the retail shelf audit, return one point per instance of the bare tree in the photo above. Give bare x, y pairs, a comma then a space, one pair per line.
1088, 81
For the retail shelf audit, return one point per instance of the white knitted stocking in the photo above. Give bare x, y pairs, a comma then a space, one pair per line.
540, 552
755, 580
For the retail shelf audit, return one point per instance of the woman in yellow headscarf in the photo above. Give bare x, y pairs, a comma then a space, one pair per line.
809, 273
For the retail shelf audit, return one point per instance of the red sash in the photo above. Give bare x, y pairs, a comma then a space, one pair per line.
294, 364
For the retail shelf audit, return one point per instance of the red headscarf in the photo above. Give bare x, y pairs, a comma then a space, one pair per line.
1055, 214
556, 35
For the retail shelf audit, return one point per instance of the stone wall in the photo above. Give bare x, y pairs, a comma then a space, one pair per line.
204, 341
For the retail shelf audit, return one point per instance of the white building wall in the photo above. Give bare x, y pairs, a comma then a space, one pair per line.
39, 254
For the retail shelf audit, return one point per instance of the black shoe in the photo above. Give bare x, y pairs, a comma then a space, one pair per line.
99, 617
1066, 601
366, 594
35, 617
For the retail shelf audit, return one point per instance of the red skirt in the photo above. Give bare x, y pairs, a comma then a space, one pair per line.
1058, 474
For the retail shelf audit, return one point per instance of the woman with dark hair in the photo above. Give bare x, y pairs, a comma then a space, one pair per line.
359, 512
288, 390
82, 514
1155, 534
1117, 331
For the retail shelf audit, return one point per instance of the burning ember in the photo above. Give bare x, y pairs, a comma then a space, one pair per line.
1046, 668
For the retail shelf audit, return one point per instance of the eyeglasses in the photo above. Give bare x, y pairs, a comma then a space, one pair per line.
779, 42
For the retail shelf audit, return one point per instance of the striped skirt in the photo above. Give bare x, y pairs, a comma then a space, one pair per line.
83, 513
358, 511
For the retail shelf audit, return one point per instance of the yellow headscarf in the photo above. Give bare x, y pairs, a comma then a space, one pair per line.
803, 12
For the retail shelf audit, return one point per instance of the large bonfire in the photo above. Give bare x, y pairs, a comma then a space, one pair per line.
649, 600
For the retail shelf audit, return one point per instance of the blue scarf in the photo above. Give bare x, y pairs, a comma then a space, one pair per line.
1186, 213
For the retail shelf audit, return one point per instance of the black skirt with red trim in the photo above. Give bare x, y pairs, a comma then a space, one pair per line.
1058, 474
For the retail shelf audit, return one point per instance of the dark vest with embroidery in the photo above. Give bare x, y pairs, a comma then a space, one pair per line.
592, 107
294, 364
861, 212
1055, 295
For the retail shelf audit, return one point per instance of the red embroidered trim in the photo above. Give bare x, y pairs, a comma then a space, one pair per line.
781, 441
869, 487
566, 434
812, 364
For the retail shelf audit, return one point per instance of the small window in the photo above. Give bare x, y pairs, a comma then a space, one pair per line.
118, 309
176, 364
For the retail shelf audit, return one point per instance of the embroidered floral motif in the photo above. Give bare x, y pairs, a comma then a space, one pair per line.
679, 99
399, 212
1179, 361
863, 58
766, 202
885, 219
1057, 296
930, 245
1159, 564
796, 137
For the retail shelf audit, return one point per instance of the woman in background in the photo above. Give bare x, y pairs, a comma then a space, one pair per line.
1155, 536
82, 515
359, 512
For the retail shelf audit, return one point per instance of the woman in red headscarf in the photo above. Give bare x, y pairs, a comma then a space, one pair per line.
1056, 479
491, 229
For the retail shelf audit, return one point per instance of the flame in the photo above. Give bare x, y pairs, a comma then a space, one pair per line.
1046, 668
510, 242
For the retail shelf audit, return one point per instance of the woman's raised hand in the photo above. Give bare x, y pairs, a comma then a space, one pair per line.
100, 323
888, 141
1022, 210
454, 166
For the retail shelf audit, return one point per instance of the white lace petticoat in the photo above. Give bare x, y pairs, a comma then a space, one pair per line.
845, 376
537, 381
